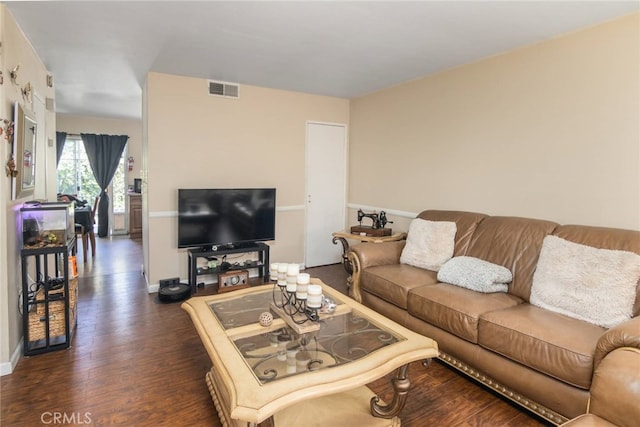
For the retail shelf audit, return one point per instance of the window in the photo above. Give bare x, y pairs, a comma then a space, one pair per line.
74, 173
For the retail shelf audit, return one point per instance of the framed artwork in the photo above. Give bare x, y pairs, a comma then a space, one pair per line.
24, 152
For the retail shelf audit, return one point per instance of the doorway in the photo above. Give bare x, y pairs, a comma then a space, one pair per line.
75, 176
326, 185
117, 199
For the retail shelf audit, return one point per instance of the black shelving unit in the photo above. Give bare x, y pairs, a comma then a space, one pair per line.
49, 299
262, 265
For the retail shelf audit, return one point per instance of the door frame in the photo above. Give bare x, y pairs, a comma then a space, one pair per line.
42, 157
306, 179
125, 230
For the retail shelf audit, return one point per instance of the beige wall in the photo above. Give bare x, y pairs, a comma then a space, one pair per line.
17, 50
194, 140
548, 131
109, 126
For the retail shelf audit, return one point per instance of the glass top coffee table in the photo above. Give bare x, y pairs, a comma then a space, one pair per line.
261, 371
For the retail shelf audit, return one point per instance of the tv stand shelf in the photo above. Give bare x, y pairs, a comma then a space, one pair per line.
262, 265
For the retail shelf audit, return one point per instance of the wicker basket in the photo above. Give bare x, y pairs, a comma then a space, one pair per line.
57, 315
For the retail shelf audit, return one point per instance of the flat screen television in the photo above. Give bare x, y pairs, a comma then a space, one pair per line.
225, 216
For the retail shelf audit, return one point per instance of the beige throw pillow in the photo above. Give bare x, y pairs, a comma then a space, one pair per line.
586, 283
429, 243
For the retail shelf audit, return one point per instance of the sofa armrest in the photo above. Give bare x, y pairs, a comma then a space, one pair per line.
372, 254
626, 334
615, 391
364, 255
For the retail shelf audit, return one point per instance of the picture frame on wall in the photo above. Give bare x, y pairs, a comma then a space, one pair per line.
24, 152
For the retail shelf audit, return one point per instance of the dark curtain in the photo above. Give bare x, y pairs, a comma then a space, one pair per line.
104, 153
61, 137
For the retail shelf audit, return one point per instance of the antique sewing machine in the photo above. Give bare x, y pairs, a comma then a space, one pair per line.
377, 227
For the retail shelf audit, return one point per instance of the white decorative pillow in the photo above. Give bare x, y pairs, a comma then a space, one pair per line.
586, 283
429, 243
476, 274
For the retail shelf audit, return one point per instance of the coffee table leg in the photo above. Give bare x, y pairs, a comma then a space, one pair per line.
401, 389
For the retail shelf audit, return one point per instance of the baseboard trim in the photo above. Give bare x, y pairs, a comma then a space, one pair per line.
8, 367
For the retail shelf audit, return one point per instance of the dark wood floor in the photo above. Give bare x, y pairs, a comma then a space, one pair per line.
137, 362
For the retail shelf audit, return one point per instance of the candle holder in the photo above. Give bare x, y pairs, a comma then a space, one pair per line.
294, 307
291, 302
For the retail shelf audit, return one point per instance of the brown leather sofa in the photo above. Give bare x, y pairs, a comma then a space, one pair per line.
614, 392
537, 358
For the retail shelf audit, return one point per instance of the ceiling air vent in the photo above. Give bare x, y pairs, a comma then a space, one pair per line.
228, 90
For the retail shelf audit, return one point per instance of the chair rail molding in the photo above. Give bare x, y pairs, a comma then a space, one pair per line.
395, 212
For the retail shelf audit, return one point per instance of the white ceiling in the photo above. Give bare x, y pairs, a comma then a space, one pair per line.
100, 51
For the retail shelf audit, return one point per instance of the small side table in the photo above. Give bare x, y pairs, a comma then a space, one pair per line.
344, 236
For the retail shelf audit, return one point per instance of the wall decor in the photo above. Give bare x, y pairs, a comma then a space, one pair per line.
26, 92
14, 74
11, 168
7, 128
24, 152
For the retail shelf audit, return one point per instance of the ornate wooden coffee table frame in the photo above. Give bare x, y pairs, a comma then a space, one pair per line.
243, 397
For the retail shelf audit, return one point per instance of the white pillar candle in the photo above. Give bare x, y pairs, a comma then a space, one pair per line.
282, 274
273, 271
302, 284
314, 289
291, 283
314, 296
293, 269
292, 275
282, 269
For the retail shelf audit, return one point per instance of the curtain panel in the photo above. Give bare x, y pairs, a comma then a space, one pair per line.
104, 153
61, 138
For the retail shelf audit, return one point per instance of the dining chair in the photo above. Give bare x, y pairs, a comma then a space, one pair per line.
92, 234
87, 234
80, 232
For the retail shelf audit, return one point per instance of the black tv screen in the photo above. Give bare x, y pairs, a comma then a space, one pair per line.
223, 216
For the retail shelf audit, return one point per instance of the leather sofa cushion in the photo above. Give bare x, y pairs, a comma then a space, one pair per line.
456, 309
514, 243
393, 282
549, 342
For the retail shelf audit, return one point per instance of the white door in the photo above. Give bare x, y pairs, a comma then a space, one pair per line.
326, 166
